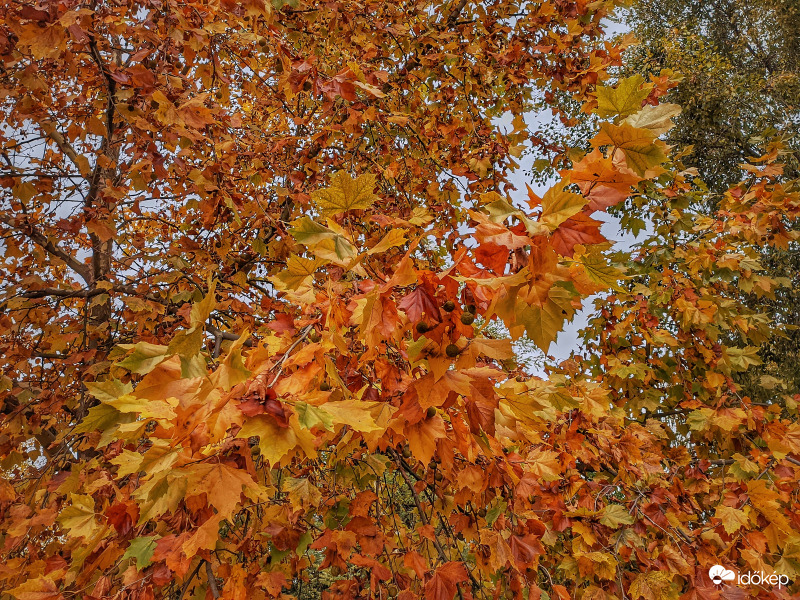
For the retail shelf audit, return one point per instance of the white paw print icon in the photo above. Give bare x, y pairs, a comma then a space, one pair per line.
718, 574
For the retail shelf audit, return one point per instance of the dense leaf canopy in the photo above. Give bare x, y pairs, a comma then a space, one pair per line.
263, 269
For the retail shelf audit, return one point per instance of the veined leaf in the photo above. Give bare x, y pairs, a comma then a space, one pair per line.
558, 205
641, 148
345, 193
623, 99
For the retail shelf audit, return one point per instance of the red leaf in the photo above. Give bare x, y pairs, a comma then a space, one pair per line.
580, 229
419, 302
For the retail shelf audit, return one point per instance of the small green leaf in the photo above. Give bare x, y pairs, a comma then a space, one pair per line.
141, 549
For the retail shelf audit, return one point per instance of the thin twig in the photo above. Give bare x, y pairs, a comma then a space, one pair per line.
212, 581
189, 580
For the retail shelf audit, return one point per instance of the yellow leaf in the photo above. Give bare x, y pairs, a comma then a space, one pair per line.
496, 349
144, 358
641, 148
78, 517
393, 239
275, 442
323, 242
732, 519
356, 414
598, 270
544, 464
345, 193
615, 515
298, 272
40, 588
559, 205
144, 407
623, 99
202, 310
599, 564
301, 493
652, 586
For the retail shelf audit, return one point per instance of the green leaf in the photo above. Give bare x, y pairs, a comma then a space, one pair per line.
600, 271
495, 511
187, 343
623, 99
323, 242
144, 358
311, 416
309, 233
141, 549
543, 323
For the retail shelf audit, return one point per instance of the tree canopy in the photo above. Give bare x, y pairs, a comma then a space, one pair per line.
740, 82
263, 267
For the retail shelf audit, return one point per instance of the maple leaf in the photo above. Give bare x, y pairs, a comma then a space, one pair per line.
732, 518
657, 119
298, 273
443, 584
500, 554
641, 148
345, 193
79, 517
558, 205
623, 99
38, 588
615, 515
578, 230
414, 561
222, 484
141, 550
542, 323
310, 416
419, 303
276, 442
301, 493
422, 437
652, 586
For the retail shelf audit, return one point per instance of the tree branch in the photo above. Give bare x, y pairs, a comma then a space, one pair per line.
54, 134
189, 580
39, 238
212, 581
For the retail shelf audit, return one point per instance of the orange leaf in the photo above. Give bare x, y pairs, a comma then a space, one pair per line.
442, 586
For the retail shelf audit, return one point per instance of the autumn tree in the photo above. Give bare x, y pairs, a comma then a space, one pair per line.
740, 80
255, 262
